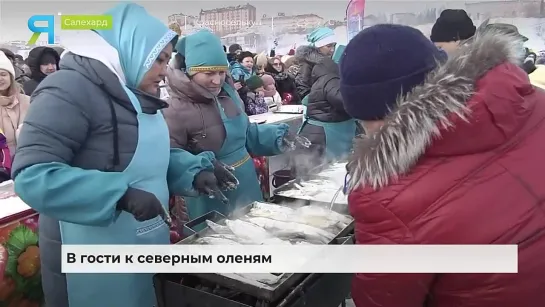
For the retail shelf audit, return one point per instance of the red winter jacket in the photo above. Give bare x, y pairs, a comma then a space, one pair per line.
480, 181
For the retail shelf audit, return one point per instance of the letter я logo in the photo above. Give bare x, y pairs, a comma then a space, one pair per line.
37, 30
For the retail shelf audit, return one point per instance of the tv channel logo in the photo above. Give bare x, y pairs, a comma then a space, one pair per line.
68, 22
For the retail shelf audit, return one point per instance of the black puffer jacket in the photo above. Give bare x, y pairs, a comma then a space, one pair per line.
33, 61
306, 57
325, 102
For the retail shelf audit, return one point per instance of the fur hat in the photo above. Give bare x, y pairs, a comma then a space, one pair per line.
261, 60
381, 63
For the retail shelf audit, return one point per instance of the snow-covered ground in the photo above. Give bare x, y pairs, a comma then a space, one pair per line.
533, 28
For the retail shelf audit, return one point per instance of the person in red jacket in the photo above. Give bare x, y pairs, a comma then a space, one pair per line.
459, 159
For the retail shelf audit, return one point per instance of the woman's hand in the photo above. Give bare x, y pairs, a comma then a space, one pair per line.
224, 174
238, 86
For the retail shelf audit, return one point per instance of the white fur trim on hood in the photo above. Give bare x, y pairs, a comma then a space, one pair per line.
91, 45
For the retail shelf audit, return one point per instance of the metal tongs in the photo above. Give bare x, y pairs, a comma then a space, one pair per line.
303, 141
166, 217
297, 140
225, 186
213, 194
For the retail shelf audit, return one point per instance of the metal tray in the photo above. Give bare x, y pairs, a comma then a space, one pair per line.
265, 292
290, 185
289, 109
316, 290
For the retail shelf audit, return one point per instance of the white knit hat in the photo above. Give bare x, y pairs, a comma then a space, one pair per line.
326, 41
6, 64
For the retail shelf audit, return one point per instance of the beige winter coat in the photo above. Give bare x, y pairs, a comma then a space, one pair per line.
12, 113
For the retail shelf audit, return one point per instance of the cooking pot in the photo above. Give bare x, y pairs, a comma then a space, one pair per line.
281, 177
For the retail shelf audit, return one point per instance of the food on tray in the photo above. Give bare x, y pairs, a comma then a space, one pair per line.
209, 240
311, 188
271, 208
273, 224
321, 190
268, 224
319, 211
251, 232
247, 230
286, 214
292, 230
217, 228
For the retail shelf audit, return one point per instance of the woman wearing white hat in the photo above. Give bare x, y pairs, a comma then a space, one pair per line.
13, 103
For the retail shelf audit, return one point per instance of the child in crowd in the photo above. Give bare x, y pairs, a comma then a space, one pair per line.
272, 97
255, 101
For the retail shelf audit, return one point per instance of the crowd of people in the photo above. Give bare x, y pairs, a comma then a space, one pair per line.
443, 137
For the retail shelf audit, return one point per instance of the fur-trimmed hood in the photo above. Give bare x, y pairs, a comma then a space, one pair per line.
309, 54
430, 110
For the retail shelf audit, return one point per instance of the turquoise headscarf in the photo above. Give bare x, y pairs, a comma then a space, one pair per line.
138, 37
321, 37
203, 51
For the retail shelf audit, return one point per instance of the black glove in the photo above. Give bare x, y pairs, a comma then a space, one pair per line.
206, 183
529, 66
141, 204
224, 175
4, 174
293, 141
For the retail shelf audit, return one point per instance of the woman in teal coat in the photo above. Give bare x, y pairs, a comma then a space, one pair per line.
94, 157
206, 114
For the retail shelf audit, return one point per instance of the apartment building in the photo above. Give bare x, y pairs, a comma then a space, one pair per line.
182, 19
283, 23
227, 20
